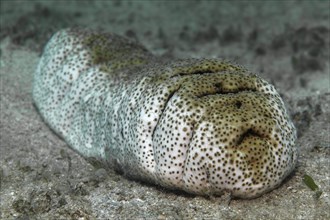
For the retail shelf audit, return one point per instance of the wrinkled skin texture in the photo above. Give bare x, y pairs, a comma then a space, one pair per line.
200, 125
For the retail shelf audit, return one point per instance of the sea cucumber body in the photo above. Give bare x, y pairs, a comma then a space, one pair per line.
199, 125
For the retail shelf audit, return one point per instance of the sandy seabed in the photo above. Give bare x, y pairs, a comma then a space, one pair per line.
285, 42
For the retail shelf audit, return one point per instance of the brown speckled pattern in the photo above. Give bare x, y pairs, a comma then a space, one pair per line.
204, 126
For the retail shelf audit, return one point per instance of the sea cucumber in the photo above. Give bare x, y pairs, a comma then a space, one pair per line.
204, 126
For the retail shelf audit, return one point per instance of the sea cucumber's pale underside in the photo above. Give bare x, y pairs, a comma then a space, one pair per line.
200, 125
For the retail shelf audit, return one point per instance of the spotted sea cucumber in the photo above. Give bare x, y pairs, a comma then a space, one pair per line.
204, 126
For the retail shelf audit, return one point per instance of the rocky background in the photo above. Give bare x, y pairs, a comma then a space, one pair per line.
286, 42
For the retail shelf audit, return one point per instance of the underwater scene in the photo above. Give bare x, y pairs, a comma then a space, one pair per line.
155, 109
